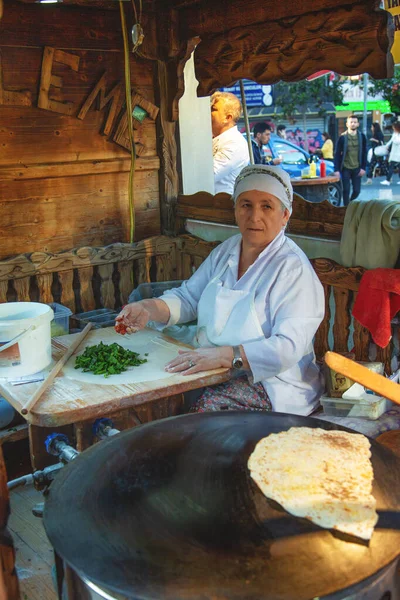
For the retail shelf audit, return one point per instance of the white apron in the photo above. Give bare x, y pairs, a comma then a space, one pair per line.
226, 317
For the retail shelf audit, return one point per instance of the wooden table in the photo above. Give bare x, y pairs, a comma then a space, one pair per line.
314, 190
71, 406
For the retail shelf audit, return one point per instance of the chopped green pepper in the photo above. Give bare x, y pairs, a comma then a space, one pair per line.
107, 359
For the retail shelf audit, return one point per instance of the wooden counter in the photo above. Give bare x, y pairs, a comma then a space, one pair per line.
70, 402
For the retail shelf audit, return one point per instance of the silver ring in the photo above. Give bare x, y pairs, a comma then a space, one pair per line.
191, 364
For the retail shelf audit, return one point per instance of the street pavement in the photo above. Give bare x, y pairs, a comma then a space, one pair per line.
376, 191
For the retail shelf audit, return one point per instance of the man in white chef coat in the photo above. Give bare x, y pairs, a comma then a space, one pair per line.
230, 149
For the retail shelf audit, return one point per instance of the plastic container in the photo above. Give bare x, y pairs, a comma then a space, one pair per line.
152, 290
60, 323
313, 169
101, 317
25, 340
368, 406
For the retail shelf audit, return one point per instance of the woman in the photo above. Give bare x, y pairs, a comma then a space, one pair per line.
375, 141
327, 146
394, 156
258, 304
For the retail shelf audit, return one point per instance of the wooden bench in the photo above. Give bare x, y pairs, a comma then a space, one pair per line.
87, 278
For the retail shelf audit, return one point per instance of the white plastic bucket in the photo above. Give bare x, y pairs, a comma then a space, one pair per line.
25, 338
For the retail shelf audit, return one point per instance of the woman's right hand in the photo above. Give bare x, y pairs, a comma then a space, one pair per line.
134, 316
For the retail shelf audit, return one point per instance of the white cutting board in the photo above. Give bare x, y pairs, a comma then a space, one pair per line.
160, 352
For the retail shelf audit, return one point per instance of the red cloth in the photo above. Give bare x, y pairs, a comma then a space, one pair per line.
377, 302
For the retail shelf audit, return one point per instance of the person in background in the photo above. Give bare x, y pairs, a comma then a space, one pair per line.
351, 159
281, 131
230, 149
258, 304
261, 137
394, 156
375, 141
327, 146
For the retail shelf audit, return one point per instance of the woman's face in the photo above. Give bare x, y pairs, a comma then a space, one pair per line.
260, 217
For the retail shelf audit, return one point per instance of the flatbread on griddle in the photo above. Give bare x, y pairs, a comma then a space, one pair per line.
323, 476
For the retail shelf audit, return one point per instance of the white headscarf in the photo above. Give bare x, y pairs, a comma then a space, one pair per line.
265, 178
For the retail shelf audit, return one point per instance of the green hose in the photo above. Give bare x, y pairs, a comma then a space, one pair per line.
129, 117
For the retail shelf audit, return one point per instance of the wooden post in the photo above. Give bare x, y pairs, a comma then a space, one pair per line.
169, 179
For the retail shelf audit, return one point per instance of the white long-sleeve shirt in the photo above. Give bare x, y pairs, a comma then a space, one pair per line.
230, 155
394, 145
289, 304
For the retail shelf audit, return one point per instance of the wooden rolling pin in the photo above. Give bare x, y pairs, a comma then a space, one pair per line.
55, 370
370, 380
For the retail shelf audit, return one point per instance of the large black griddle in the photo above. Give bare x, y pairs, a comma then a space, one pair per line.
168, 511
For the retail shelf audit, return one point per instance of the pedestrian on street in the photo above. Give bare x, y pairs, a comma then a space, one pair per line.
261, 137
351, 159
375, 141
327, 146
394, 156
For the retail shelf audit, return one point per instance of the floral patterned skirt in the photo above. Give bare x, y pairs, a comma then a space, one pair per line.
236, 394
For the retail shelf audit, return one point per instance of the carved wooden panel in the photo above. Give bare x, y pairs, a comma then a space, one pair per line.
144, 266
186, 266
332, 273
126, 283
85, 275
89, 277
348, 39
44, 282
205, 207
341, 326
3, 291
66, 279
107, 292
321, 342
163, 268
362, 340
21, 287
320, 219
25, 265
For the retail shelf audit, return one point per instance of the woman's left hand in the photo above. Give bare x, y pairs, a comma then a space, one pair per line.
204, 359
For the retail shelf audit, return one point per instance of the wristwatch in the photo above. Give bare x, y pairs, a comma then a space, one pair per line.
237, 362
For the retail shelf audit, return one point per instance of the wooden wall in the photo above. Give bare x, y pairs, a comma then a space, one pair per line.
63, 183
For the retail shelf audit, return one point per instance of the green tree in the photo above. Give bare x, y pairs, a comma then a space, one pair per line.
295, 98
389, 88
